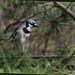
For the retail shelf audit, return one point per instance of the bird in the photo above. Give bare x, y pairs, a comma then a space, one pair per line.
24, 33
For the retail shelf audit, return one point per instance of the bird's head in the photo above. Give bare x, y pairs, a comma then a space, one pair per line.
31, 23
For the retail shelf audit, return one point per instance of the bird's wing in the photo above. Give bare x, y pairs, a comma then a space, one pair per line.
16, 32
21, 28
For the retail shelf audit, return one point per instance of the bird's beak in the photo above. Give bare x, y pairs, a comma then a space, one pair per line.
35, 25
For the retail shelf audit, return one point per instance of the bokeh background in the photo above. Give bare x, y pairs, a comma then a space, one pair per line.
54, 37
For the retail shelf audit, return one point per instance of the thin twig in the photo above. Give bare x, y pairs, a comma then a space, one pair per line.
65, 59
68, 11
55, 69
69, 5
21, 59
15, 23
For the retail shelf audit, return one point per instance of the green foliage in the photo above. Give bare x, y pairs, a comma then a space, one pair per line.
37, 67
53, 19
1, 71
51, 25
15, 7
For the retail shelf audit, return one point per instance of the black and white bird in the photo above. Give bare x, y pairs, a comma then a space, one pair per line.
24, 33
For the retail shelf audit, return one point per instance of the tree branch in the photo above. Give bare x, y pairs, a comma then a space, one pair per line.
65, 59
61, 6
69, 5
15, 23
55, 69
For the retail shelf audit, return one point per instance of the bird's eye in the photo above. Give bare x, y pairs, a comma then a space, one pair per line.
32, 23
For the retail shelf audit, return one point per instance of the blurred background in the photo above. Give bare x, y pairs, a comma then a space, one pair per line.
56, 28
55, 35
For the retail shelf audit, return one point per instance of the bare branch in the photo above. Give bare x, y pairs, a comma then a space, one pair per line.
55, 69
65, 59
64, 24
68, 11
15, 23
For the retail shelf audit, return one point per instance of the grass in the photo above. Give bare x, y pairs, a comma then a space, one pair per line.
27, 65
